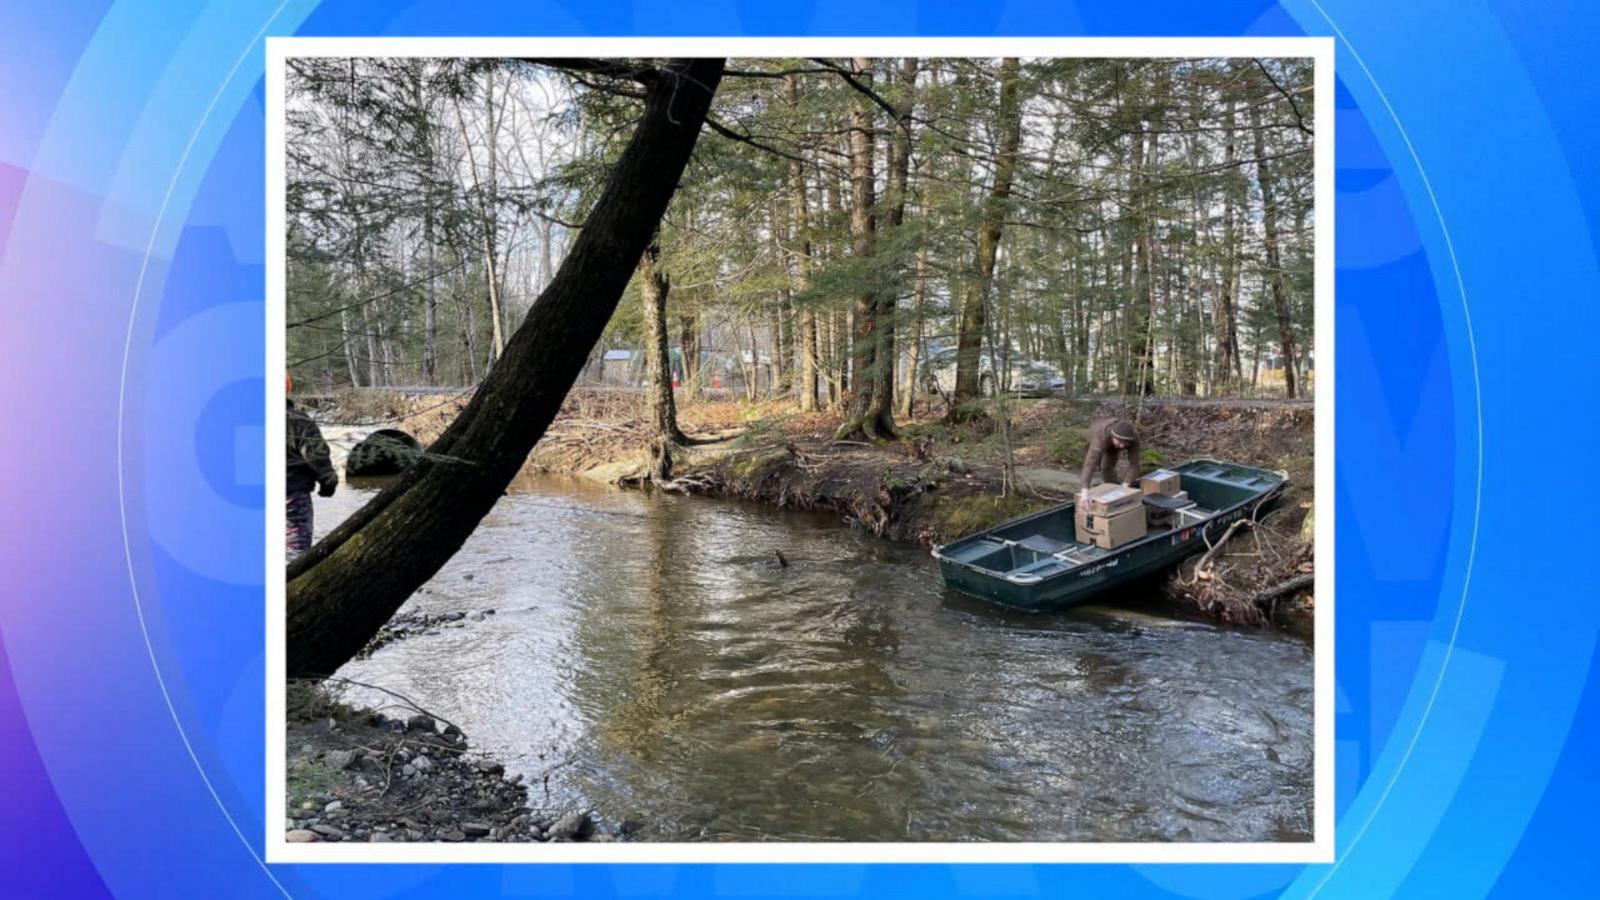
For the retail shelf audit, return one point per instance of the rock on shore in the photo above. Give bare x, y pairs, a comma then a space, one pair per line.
362, 776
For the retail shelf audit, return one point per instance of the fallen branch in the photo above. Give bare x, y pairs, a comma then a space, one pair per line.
1200, 572
687, 484
409, 703
1298, 583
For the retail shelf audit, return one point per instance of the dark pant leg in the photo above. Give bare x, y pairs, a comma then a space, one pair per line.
1108, 468
298, 530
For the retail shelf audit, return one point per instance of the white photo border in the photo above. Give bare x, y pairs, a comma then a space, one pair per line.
1319, 850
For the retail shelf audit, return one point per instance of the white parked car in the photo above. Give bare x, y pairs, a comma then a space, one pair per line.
1027, 377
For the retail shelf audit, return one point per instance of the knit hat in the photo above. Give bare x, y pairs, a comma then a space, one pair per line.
1122, 430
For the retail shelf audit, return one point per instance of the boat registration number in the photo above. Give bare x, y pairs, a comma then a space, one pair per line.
1100, 567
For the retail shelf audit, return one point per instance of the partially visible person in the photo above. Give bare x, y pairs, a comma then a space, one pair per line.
308, 467
1110, 441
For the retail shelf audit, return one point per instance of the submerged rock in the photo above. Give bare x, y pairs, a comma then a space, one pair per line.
572, 826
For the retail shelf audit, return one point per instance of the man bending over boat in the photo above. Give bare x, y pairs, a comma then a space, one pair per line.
1110, 440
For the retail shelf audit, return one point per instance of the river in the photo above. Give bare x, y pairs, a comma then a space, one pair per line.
649, 658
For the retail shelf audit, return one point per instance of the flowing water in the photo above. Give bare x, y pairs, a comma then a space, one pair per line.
649, 658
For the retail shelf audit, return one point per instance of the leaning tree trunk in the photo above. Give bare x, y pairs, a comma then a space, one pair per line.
973, 323
344, 589
653, 288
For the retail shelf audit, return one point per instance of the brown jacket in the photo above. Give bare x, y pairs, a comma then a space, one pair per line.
1102, 455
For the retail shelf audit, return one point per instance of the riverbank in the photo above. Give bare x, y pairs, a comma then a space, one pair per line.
401, 774
940, 481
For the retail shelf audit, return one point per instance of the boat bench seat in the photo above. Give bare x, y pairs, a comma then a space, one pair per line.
1038, 543
974, 552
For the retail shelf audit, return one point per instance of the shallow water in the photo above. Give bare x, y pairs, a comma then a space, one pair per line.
650, 659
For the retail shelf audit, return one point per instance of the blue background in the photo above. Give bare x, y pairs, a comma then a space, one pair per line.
131, 285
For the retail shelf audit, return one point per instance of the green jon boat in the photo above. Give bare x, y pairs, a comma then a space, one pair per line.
1036, 563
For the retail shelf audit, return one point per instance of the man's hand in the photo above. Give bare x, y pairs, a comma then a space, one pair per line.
327, 489
1083, 496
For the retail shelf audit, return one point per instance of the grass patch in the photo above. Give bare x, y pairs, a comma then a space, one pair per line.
752, 467
307, 701
760, 431
957, 516
310, 780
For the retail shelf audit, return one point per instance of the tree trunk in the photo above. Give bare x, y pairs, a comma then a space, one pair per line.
369, 328
864, 418
349, 348
1222, 313
469, 330
919, 293
899, 176
430, 313
1269, 221
1142, 310
800, 240
344, 589
653, 288
778, 359
969, 339
780, 319
486, 230
689, 349
835, 364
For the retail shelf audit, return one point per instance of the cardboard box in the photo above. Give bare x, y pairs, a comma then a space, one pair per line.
1112, 499
1110, 532
1161, 481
